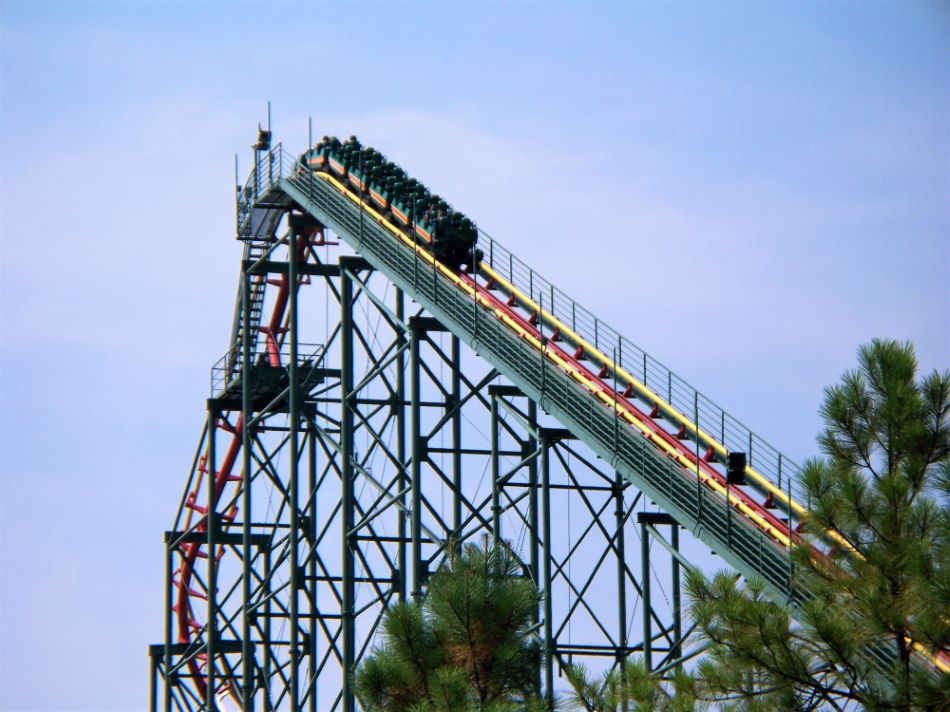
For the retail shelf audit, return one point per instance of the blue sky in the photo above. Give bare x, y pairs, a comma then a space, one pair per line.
748, 191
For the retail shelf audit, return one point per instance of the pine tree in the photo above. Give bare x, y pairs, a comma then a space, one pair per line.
465, 646
883, 486
632, 688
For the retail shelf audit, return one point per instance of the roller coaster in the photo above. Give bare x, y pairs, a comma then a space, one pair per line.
397, 383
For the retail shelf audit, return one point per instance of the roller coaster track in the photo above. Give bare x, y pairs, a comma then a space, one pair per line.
663, 436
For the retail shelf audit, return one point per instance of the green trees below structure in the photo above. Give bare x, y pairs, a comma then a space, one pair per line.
883, 486
632, 688
466, 645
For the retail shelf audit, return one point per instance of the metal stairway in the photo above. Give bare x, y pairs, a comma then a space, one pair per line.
256, 226
253, 251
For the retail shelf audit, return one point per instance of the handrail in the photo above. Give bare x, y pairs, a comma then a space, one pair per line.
269, 167
695, 408
226, 370
702, 416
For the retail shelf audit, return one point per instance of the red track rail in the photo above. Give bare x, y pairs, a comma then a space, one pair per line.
625, 403
187, 623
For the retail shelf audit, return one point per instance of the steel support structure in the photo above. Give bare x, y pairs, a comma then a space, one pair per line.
330, 481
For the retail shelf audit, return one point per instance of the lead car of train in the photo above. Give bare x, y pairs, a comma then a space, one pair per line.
405, 201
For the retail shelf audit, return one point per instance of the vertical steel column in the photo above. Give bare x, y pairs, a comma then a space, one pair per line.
169, 602
495, 496
403, 480
619, 513
533, 521
294, 417
456, 439
312, 568
677, 612
152, 675
645, 593
415, 375
268, 653
211, 523
346, 475
548, 661
532, 448
247, 663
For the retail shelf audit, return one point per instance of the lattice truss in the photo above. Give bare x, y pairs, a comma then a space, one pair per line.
375, 442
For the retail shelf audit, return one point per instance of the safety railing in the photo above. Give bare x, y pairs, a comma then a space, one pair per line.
227, 369
704, 414
700, 508
708, 418
269, 167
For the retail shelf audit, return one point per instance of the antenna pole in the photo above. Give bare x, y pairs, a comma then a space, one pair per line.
237, 187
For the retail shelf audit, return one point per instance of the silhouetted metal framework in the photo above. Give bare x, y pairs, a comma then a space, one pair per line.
354, 435
336, 476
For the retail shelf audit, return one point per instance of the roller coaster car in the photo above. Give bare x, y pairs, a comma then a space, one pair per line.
425, 218
454, 237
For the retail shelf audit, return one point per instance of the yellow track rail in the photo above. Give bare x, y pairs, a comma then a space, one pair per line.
568, 367
650, 395
645, 391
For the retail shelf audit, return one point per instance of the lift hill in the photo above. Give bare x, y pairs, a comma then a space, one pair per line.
732, 489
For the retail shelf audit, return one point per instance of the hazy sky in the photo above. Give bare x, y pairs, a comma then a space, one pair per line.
748, 191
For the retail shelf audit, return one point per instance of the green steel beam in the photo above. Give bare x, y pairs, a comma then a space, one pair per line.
346, 476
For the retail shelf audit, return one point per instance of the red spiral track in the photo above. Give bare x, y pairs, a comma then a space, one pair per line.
188, 626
